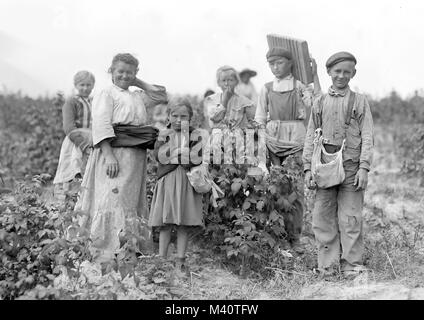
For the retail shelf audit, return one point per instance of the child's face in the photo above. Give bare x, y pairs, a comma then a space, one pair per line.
227, 80
177, 116
280, 67
85, 87
123, 74
341, 74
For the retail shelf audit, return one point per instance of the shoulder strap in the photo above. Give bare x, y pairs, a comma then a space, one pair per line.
350, 107
268, 87
317, 115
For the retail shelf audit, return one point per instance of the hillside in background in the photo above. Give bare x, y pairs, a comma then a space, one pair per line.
12, 79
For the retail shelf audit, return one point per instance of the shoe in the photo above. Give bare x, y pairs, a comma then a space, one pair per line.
326, 273
297, 247
352, 273
181, 267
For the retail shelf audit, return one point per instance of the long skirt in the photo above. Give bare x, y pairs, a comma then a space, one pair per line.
70, 162
175, 201
114, 208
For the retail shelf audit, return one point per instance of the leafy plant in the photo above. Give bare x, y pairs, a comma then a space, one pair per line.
250, 220
33, 242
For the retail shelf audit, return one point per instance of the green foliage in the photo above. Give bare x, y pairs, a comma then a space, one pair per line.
33, 245
411, 150
404, 119
248, 225
31, 135
394, 109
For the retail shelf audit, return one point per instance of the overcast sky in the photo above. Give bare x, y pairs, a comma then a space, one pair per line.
181, 43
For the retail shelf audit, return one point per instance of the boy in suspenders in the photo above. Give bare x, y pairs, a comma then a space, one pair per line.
337, 216
283, 109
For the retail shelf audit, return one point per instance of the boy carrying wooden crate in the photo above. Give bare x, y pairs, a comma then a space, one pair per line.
283, 107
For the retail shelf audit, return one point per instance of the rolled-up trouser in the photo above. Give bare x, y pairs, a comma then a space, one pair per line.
294, 220
337, 222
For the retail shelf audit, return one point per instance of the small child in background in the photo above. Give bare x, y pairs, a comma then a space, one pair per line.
76, 115
160, 116
175, 203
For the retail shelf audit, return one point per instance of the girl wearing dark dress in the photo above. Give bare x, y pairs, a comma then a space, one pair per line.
175, 203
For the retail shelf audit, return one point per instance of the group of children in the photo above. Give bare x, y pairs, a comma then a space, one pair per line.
292, 114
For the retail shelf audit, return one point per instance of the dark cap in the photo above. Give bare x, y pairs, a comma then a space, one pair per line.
278, 52
249, 72
339, 57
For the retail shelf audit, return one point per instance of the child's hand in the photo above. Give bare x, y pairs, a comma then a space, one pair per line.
112, 166
219, 115
184, 150
226, 96
309, 180
185, 156
314, 67
272, 127
175, 152
361, 179
181, 153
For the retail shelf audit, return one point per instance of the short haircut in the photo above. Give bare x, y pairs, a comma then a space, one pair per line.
227, 68
83, 75
124, 57
178, 102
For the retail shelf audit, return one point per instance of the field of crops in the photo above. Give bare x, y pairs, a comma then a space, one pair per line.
242, 252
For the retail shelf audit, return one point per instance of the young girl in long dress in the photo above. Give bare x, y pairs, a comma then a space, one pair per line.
114, 185
175, 203
76, 114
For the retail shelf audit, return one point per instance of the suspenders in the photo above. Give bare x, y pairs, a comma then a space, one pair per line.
317, 117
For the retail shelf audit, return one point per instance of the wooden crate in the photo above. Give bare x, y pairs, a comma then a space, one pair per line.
302, 69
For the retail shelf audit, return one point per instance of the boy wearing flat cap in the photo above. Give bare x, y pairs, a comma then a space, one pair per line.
342, 115
283, 107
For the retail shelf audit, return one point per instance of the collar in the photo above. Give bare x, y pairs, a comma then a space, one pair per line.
337, 93
81, 97
118, 88
287, 78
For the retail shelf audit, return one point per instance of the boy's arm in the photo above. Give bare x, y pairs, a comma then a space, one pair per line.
261, 114
308, 146
317, 85
366, 126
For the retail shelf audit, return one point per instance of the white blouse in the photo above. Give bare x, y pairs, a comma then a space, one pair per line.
114, 105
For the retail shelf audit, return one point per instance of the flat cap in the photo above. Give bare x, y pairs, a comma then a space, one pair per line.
249, 72
339, 57
277, 52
